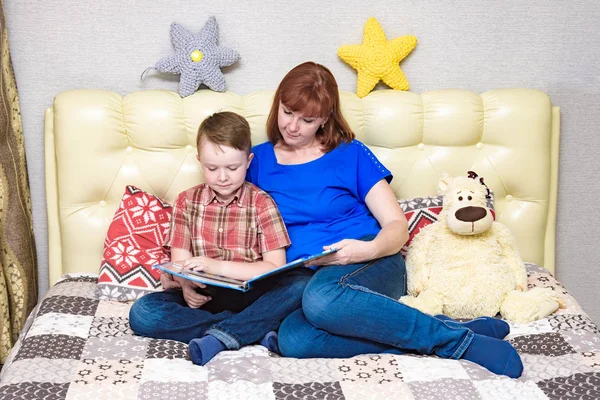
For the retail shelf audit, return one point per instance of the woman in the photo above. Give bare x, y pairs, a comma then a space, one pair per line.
333, 192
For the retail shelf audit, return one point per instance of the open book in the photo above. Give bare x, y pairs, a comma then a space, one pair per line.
244, 286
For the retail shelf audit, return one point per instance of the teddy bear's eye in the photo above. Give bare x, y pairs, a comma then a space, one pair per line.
460, 198
470, 198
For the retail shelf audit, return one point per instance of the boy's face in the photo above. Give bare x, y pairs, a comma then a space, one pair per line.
224, 168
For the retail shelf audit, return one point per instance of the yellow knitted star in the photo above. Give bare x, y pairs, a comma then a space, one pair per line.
378, 59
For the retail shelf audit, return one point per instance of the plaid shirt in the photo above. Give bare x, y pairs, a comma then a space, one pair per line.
241, 230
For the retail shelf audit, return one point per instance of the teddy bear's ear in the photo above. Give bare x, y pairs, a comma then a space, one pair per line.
444, 183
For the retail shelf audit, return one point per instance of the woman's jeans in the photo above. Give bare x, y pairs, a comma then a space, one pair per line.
235, 318
353, 309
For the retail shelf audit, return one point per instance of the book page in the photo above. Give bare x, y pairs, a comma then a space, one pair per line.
217, 280
294, 264
202, 277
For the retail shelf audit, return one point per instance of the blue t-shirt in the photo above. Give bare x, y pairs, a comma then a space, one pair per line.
321, 201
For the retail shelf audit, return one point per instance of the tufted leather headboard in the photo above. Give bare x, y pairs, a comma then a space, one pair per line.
96, 142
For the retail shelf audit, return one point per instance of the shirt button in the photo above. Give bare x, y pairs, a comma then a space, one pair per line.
220, 230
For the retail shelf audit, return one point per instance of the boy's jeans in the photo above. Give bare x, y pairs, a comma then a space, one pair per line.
235, 318
353, 309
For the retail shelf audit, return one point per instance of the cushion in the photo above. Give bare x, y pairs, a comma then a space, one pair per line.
132, 246
197, 58
377, 58
422, 211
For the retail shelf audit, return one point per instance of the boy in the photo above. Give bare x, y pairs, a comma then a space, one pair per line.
225, 226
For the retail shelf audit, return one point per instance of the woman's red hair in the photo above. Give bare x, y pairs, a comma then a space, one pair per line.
311, 89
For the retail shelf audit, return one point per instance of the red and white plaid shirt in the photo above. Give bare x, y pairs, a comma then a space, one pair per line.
241, 230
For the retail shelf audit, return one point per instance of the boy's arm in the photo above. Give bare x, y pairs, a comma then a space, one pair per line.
180, 256
191, 297
177, 240
238, 270
171, 281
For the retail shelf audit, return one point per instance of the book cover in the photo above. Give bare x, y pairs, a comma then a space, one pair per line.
222, 281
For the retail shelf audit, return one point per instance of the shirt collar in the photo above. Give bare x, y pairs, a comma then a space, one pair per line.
239, 197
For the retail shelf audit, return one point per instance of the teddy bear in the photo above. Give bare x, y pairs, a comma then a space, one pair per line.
466, 264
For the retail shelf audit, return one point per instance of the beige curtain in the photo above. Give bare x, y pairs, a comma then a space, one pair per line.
18, 262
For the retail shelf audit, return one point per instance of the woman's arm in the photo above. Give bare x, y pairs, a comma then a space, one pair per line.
384, 206
238, 270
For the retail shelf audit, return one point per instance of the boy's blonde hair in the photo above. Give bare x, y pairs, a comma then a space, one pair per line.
225, 128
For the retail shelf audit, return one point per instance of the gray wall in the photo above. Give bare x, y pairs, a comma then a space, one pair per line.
477, 45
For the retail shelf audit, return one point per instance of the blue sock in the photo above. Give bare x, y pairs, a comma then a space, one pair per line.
270, 342
204, 349
496, 355
488, 326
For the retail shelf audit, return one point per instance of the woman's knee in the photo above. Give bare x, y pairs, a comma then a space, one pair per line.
329, 297
297, 338
319, 299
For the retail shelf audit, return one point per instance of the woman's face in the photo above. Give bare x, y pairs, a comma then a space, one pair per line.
297, 129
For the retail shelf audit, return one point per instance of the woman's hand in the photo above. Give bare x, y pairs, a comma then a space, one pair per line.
191, 297
350, 251
204, 264
167, 281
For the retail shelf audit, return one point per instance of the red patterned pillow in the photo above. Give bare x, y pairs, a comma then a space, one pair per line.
422, 211
132, 246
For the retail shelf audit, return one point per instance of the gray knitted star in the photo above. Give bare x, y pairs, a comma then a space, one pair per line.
197, 58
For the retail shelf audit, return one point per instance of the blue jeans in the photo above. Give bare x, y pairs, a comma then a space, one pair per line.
235, 318
353, 309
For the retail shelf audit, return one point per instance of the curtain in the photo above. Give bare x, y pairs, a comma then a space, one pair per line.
18, 260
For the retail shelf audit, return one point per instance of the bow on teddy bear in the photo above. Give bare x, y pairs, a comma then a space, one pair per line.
466, 265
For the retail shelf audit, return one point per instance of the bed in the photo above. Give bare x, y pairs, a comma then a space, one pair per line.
97, 142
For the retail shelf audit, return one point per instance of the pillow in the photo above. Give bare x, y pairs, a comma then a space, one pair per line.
197, 58
132, 246
422, 211
378, 58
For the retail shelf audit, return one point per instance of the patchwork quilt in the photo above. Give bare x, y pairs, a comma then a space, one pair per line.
77, 347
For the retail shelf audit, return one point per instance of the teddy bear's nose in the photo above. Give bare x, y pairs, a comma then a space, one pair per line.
470, 214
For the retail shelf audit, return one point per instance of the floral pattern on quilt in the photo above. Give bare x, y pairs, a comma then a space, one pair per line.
76, 347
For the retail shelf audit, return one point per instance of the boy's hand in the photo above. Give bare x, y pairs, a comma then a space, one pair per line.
167, 281
204, 264
191, 297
